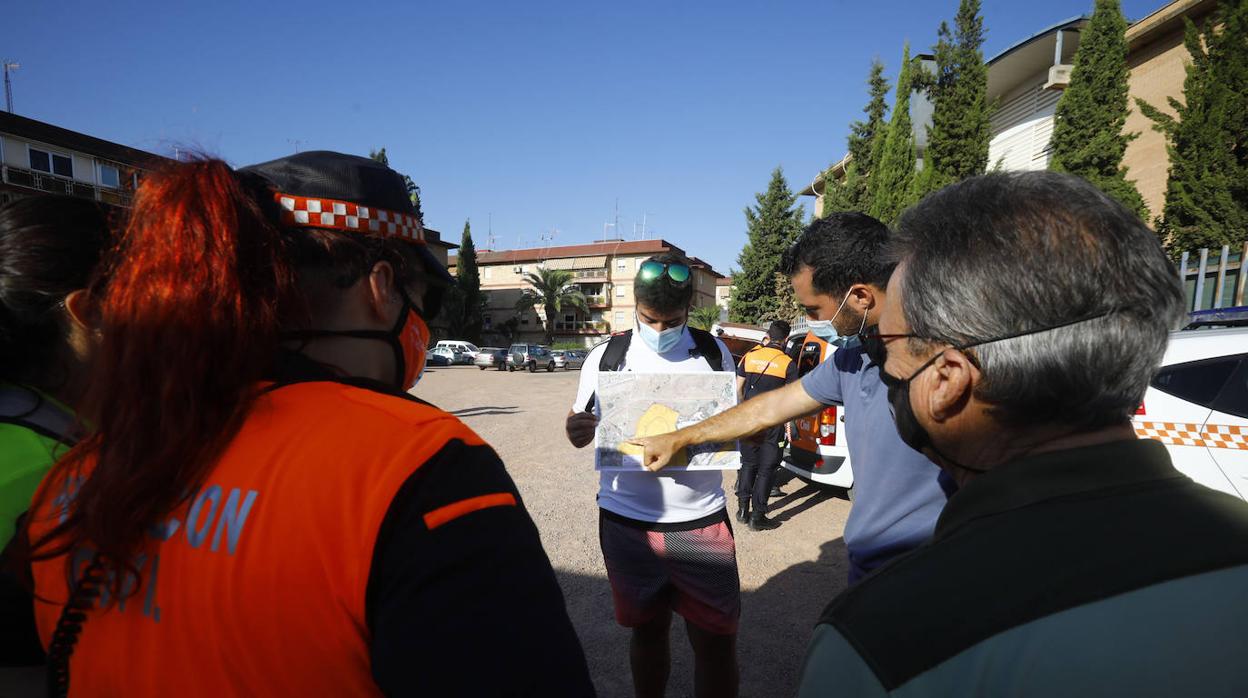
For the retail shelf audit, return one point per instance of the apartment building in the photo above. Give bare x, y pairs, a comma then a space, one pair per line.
604, 271
723, 294
37, 157
1026, 80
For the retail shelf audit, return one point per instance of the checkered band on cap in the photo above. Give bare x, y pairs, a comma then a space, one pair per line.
344, 215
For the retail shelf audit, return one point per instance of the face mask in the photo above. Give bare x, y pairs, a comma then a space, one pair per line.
909, 429
407, 339
413, 338
660, 342
826, 329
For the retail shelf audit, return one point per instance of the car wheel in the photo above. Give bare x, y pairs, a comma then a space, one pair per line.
550, 367
532, 367
510, 368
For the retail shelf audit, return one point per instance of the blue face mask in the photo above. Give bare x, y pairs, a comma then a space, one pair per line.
826, 329
660, 342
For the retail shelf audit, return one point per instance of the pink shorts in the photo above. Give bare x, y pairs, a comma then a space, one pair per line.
692, 572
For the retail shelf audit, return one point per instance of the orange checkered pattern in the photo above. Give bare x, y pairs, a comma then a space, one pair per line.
1209, 436
344, 215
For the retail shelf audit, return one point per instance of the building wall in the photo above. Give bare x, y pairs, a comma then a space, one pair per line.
503, 286
1022, 127
1157, 72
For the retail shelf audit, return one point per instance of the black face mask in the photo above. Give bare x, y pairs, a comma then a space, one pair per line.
393, 337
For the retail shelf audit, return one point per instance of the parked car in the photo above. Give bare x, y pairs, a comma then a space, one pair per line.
491, 356
440, 356
818, 450
568, 360
1197, 405
467, 350
529, 357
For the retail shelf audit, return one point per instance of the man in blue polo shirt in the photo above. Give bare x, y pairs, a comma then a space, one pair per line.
839, 275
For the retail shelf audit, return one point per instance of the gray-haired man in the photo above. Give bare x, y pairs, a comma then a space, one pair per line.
1027, 314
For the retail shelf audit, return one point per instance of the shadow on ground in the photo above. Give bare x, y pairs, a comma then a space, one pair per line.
776, 622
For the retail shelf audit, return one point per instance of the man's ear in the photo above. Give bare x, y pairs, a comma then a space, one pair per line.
80, 311
381, 290
862, 298
954, 377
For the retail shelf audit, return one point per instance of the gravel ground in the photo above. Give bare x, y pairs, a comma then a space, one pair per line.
787, 575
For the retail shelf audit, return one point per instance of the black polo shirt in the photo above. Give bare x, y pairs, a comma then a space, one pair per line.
1073, 572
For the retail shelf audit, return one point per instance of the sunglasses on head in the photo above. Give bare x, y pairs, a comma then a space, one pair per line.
650, 270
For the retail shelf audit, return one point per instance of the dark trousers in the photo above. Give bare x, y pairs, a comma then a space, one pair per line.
759, 462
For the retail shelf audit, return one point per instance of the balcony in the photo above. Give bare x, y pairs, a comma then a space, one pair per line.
598, 301
590, 274
582, 327
53, 184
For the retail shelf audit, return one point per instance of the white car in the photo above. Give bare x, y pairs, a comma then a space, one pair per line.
1197, 405
818, 449
467, 350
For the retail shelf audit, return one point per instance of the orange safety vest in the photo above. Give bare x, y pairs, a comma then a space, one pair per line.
256, 585
766, 361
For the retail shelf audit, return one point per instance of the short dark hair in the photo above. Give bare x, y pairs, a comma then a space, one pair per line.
779, 330
49, 247
842, 249
1004, 253
661, 294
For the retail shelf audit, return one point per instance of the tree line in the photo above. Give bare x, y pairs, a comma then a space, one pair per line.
882, 174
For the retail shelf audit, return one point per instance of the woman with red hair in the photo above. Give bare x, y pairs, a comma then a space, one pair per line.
262, 509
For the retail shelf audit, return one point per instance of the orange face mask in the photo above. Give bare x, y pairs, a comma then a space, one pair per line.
413, 340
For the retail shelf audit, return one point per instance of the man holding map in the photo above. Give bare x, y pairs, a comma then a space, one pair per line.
665, 536
839, 270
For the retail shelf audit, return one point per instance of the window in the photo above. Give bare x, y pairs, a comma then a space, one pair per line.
619, 317
621, 264
110, 176
54, 163
1234, 396
619, 291
486, 272
1198, 381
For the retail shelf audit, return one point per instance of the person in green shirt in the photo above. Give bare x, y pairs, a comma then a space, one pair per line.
49, 249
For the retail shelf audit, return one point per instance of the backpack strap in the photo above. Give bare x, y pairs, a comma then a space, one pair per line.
612, 358
708, 348
27, 408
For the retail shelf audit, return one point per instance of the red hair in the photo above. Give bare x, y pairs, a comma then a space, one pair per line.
189, 321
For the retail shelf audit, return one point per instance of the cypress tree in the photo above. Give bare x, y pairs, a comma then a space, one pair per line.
1087, 132
957, 140
468, 280
773, 224
850, 192
892, 185
1207, 192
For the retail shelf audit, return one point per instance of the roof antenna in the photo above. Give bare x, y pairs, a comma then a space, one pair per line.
8, 84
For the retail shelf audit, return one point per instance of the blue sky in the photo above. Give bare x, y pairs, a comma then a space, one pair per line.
542, 114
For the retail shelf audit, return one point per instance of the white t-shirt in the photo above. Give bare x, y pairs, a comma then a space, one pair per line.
662, 497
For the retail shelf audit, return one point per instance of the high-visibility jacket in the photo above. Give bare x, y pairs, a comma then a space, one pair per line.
764, 369
257, 584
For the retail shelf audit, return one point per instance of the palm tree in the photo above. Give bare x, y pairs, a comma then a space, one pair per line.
704, 317
553, 290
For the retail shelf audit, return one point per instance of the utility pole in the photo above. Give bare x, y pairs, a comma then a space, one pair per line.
295, 142
8, 84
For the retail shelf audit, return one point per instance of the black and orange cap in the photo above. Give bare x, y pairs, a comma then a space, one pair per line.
324, 189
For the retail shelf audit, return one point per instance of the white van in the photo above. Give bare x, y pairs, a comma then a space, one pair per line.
468, 349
